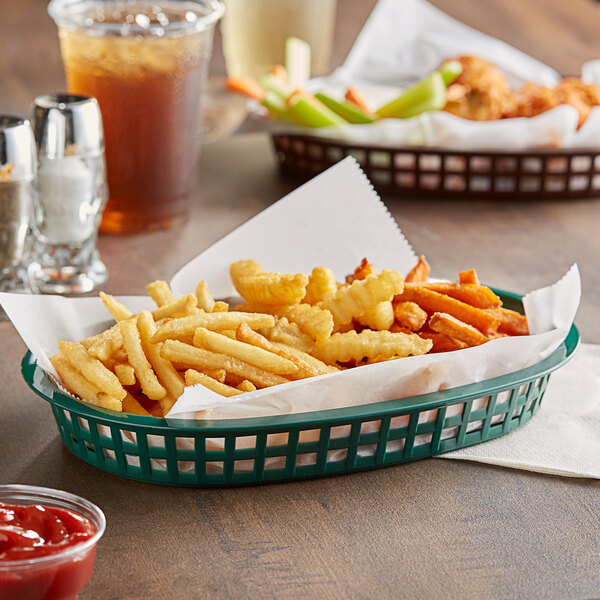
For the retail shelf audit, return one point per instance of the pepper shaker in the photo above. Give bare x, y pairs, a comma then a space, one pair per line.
17, 172
71, 194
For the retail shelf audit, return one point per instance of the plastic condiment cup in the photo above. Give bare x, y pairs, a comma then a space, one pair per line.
58, 576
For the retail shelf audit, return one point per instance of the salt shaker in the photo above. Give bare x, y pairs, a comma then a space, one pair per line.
71, 193
17, 172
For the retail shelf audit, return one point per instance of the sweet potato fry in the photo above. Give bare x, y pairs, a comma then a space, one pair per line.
435, 302
420, 272
442, 342
444, 323
365, 268
511, 322
469, 276
473, 294
410, 315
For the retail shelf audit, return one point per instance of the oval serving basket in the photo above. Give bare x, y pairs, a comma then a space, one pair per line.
282, 448
440, 172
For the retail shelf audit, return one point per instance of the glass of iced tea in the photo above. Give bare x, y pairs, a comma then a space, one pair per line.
146, 63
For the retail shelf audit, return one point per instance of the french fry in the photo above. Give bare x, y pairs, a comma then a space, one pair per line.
82, 387
125, 373
117, 309
476, 295
343, 347
220, 306
248, 353
186, 326
289, 333
137, 358
321, 284
468, 276
433, 302
160, 292
352, 300
451, 326
193, 377
92, 369
274, 288
410, 315
218, 374
243, 268
106, 343
378, 317
201, 359
511, 322
132, 406
246, 386
442, 342
365, 268
298, 355
205, 300
245, 334
420, 272
179, 308
169, 378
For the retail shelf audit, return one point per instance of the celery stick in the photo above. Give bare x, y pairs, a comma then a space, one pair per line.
346, 110
297, 61
275, 104
427, 94
281, 88
312, 112
450, 70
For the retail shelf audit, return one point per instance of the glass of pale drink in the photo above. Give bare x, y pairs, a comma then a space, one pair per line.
146, 63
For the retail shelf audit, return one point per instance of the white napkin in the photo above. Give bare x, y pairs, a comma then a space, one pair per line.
403, 41
563, 438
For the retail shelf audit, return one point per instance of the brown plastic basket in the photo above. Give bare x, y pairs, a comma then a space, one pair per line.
420, 171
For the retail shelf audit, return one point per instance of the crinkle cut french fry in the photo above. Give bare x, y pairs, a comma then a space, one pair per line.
442, 342
160, 292
92, 369
420, 272
435, 302
468, 276
378, 317
321, 283
410, 315
106, 343
125, 373
243, 268
274, 288
201, 359
444, 323
117, 309
352, 300
245, 334
289, 333
205, 300
166, 373
132, 406
343, 347
77, 384
193, 377
511, 322
258, 357
179, 308
137, 358
186, 326
478, 296
319, 366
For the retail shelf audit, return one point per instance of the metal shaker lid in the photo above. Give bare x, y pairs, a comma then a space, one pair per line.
17, 149
65, 124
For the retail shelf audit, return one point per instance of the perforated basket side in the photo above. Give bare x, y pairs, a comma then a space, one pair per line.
420, 171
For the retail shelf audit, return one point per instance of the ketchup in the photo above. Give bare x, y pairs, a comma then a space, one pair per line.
35, 532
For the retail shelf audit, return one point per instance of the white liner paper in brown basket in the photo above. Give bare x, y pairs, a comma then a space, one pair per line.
335, 220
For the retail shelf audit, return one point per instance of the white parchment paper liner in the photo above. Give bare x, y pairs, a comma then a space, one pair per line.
335, 219
401, 42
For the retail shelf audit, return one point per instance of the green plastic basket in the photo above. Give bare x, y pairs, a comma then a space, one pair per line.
260, 450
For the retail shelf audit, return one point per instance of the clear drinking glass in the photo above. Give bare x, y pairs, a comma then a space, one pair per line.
71, 193
255, 31
146, 63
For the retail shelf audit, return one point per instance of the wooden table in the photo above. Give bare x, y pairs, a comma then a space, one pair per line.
429, 529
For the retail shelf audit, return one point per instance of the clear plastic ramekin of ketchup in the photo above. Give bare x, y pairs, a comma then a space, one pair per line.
48, 543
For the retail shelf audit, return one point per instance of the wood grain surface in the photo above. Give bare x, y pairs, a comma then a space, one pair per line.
431, 529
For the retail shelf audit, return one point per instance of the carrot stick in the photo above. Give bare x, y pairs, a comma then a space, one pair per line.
355, 96
246, 86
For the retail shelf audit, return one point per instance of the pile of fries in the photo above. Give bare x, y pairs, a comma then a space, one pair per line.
290, 326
